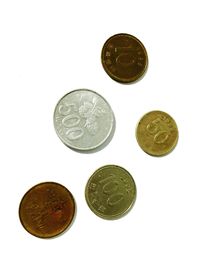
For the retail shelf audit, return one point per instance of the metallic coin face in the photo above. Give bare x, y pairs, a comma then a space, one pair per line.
124, 58
157, 133
83, 120
47, 210
110, 192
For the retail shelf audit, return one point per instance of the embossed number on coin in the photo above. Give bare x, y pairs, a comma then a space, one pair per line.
124, 58
157, 133
110, 192
83, 120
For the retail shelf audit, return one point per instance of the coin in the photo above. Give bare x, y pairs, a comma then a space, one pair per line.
110, 192
157, 133
124, 58
83, 120
47, 209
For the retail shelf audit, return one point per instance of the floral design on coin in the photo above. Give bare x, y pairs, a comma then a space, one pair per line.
157, 133
47, 209
83, 120
124, 58
91, 112
110, 192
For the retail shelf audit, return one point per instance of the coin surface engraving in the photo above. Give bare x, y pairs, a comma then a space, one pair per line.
124, 58
83, 120
157, 133
47, 209
110, 192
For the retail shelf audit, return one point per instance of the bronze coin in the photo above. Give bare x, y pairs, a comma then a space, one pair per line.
47, 209
124, 58
157, 133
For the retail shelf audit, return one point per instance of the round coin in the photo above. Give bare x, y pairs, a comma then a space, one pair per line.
124, 58
110, 192
83, 120
157, 133
47, 209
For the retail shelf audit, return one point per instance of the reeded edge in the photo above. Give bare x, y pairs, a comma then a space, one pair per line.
91, 149
122, 80
171, 148
67, 226
110, 217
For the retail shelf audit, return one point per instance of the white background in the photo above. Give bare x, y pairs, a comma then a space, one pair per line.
48, 48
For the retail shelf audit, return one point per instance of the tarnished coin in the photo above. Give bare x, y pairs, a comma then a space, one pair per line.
157, 133
110, 192
47, 209
83, 120
124, 58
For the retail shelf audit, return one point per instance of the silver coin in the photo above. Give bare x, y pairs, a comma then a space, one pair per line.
83, 120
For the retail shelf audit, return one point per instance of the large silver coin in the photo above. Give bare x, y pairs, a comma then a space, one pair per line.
83, 120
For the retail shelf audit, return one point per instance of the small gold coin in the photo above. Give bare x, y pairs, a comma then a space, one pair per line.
110, 192
124, 58
157, 133
47, 209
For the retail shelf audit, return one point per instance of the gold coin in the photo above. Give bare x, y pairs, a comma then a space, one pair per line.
157, 133
124, 58
110, 192
47, 209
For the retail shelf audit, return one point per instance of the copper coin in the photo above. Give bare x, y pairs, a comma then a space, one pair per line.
47, 209
124, 58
